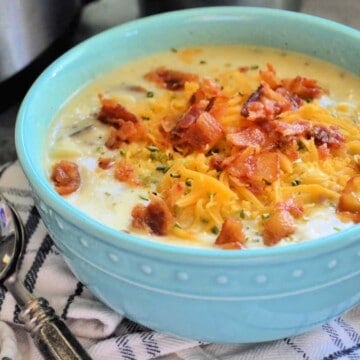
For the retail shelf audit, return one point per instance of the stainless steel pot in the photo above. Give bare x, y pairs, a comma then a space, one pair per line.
32, 34
29, 27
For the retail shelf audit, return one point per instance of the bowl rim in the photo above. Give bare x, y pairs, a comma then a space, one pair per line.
119, 238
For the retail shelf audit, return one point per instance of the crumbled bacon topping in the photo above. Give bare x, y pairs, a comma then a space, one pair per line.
105, 163
66, 177
125, 126
275, 96
280, 225
196, 130
250, 136
266, 103
156, 217
329, 135
170, 79
125, 172
251, 153
256, 170
349, 202
231, 235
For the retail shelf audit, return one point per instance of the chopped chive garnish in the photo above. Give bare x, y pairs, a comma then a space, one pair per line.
162, 168
296, 182
143, 197
215, 230
202, 62
149, 94
242, 214
254, 67
152, 148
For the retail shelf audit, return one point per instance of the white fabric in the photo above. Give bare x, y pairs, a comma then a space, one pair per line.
107, 335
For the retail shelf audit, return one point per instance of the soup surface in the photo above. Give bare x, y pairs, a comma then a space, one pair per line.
229, 147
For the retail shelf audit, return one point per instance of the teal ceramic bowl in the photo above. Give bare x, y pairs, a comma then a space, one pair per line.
210, 295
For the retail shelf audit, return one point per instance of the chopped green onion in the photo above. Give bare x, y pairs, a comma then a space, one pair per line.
296, 182
152, 148
162, 168
242, 214
215, 230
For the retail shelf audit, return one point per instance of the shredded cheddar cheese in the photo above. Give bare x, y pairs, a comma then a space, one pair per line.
243, 145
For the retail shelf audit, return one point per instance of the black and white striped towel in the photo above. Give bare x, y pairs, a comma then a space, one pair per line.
107, 335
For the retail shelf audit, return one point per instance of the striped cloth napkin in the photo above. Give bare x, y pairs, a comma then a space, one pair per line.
107, 335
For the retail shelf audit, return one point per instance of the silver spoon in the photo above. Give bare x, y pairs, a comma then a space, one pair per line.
50, 334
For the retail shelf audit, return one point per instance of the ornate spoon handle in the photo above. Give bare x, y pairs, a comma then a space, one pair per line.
50, 334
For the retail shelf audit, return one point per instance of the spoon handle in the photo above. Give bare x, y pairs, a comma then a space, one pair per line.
51, 335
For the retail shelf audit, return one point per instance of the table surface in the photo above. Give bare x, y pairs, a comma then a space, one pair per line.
103, 14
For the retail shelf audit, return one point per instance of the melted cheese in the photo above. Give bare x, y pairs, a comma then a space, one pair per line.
76, 135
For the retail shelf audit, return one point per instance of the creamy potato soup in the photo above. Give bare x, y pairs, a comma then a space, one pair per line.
228, 147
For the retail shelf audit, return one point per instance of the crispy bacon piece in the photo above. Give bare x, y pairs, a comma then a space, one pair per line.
244, 69
292, 207
208, 89
286, 135
250, 136
255, 169
105, 163
323, 151
275, 96
269, 76
125, 126
231, 235
329, 135
112, 112
266, 103
128, 132
170, 79
126, 173
280, 225
138, 217
216, 162
305, 88
156, 217
196, 130
296, 129
349, 202
211, 91
66, 177
266, 167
